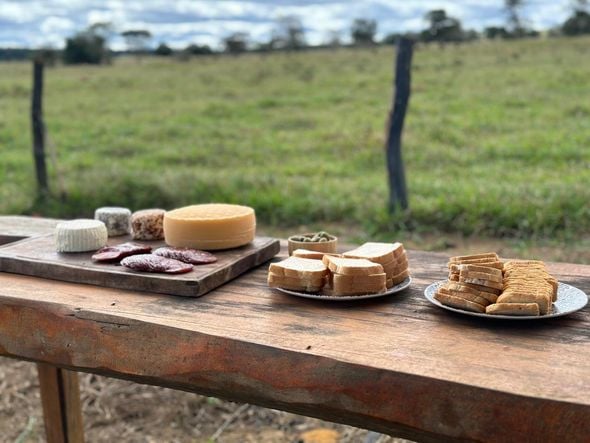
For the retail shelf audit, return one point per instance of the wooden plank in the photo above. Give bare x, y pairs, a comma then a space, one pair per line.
60, 398
396, 365
15, 227
37, 257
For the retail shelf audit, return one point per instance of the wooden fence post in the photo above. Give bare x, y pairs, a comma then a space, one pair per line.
395, 166
38, 128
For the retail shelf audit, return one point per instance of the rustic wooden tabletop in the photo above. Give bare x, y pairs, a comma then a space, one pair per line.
397, 365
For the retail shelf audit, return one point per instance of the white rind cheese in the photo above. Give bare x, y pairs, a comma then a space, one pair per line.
117, 220
80, 235
210, 226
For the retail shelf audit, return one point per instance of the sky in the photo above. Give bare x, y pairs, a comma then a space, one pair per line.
46, 23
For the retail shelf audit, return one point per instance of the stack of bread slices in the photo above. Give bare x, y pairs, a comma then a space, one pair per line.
371, 268
391, 256
482, 283
354, 276
298, 274
528, 289
475, 281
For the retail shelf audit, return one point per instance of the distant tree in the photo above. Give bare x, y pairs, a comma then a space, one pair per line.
236, 43
87, 46
137, 40
579, 22
163, 50
363, 31
514, 25
289, 33
194, 49
442, 28
494, 32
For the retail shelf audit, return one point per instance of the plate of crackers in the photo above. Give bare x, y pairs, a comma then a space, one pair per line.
370, 271
482, 285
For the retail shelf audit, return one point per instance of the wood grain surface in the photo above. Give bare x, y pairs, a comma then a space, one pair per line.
36, 256
397, 365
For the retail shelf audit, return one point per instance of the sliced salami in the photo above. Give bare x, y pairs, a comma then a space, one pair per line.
186, 255
155, 263
117, 252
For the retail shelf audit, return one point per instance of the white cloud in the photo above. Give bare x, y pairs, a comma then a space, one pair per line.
180, 21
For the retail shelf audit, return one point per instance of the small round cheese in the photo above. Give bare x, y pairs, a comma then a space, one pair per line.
117, 220
147, 224
210, 226
80, 235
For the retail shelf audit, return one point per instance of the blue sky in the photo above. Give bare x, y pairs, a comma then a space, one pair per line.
32, 23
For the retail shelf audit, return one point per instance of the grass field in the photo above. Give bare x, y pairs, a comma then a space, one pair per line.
497, 138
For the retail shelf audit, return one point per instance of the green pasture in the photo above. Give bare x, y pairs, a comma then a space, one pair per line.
497, 137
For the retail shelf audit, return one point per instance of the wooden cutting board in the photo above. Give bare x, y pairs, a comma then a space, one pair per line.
37, 257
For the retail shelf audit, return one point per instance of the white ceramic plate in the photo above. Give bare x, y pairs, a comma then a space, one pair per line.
319, 296
569, 299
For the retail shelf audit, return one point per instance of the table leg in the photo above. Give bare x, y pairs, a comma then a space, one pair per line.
62, 412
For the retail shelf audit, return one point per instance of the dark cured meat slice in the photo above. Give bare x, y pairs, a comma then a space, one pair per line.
155, 263
117, 252
186, 255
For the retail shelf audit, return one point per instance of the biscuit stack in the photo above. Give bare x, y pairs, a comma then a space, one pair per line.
298, 274
528, 289
391, 256
475, 281
354, 276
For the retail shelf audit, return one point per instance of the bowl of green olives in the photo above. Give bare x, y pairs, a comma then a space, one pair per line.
313, 241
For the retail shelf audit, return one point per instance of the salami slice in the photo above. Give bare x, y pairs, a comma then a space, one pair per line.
186, 255
155, 263
117, 252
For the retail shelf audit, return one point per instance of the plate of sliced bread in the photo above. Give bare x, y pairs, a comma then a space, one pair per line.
482, 285
370, 271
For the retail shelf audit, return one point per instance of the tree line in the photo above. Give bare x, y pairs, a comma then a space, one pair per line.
92, 44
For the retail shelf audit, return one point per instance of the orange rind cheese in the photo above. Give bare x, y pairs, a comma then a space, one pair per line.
210, 226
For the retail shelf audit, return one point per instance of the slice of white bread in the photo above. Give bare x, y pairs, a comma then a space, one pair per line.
453, 286
351, 266
465, 295
396, 266
315, 255
296, 286
399, 277
377, 252
278, 279
481, 275
543, 300
359, 279
304, 268
482, 282
468, 258
513, 309
459, 303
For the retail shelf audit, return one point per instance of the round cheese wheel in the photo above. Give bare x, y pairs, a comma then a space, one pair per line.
80, 235
210, 226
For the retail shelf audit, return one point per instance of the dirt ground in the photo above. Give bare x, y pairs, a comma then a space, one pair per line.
116, 410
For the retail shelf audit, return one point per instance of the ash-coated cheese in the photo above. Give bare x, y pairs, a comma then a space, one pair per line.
147, 224
117, 220
210, 226
80, 235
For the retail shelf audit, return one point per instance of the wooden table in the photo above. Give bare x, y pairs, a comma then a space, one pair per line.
397, 365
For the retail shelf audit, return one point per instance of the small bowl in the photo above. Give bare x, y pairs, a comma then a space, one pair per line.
326, 246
